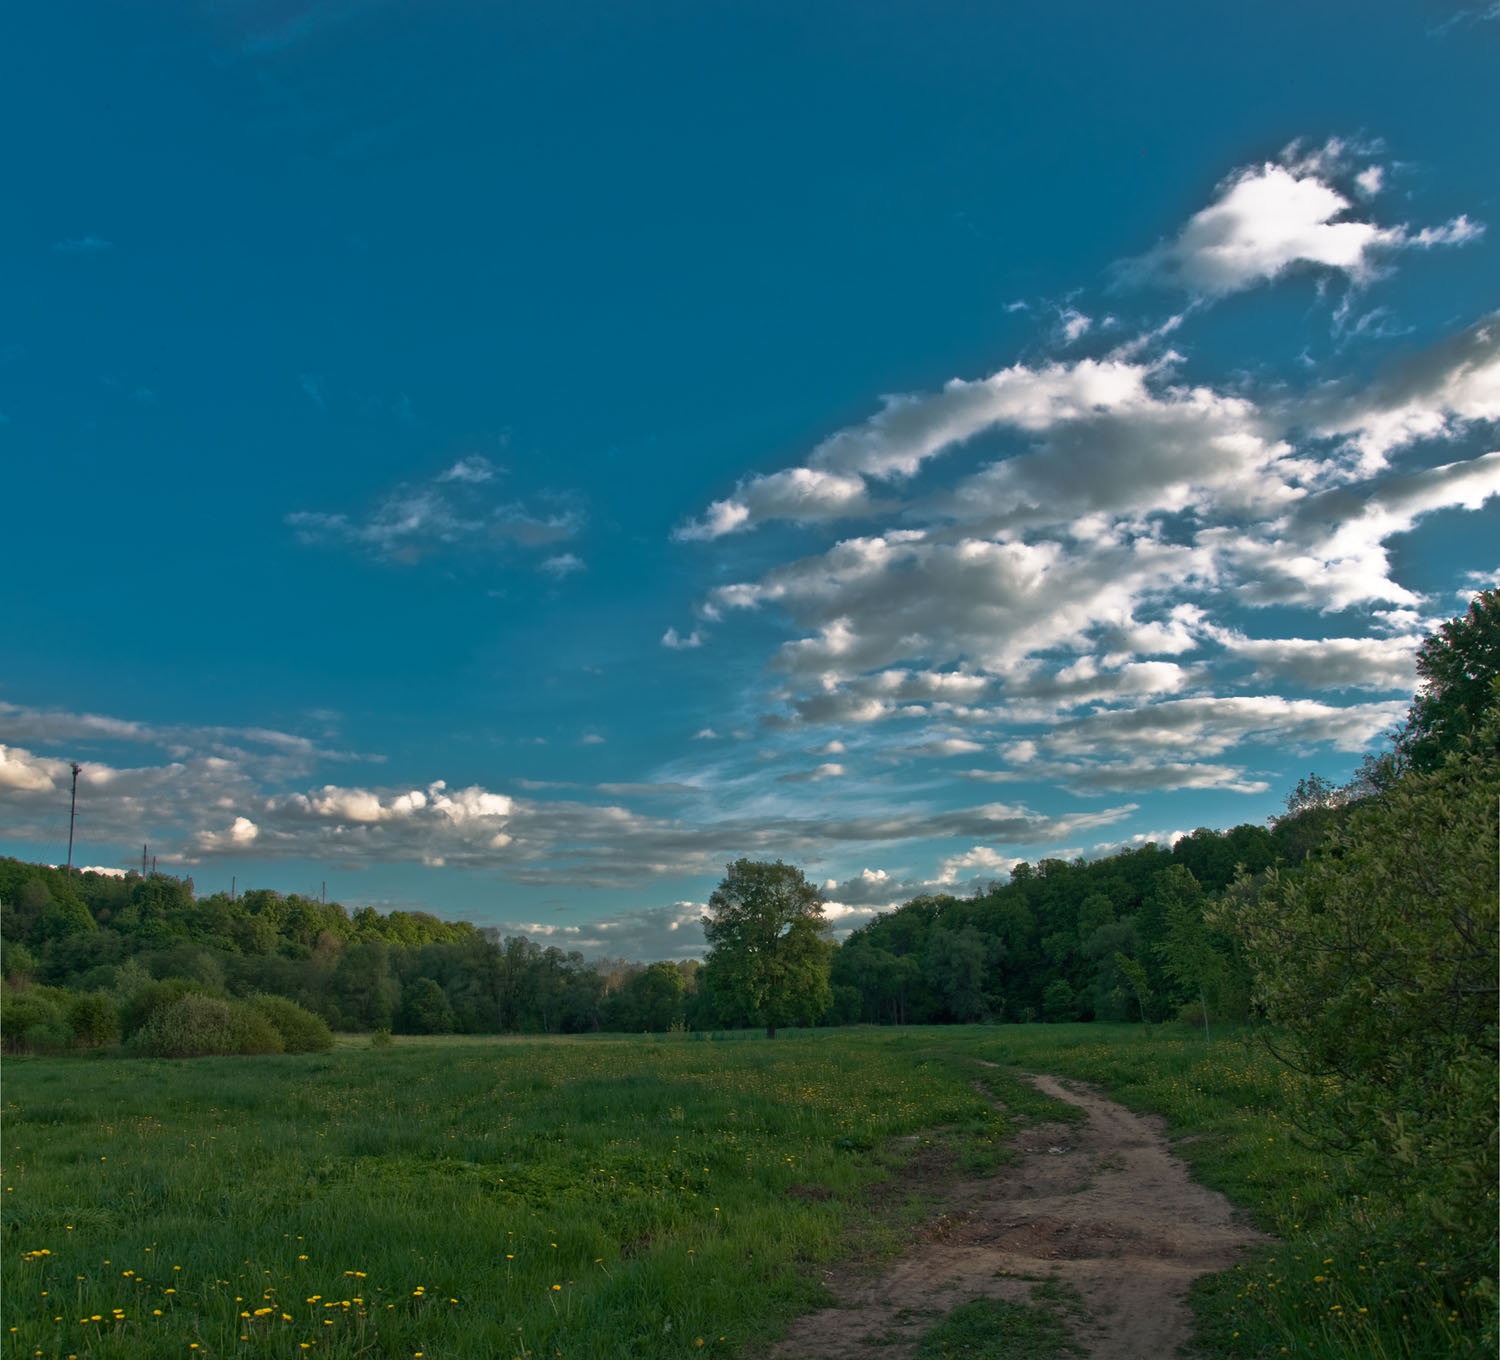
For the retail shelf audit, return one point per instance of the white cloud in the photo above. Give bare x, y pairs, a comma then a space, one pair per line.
1144, 774
1073, 325
830, 770
1387, 663
894, 444
565, 564
944, 746
643, 933
23, 771
674, 641
1439, 393
1211, 725
1330, 551
982, 858
805, 494
473, 469
446, 513
1270, 218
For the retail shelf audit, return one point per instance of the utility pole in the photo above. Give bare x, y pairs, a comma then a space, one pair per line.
233, 879
72, 814
144, 848
325, 892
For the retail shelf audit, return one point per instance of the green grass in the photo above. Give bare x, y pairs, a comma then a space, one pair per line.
621, 1197
994, 1329
460, 1198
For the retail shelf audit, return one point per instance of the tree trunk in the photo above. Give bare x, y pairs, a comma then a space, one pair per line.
771, 1030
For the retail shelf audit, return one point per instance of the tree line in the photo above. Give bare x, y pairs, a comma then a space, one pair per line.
1148, 934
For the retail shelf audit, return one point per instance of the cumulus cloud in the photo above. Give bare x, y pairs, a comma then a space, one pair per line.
981, 858
1330, 551
674, 641
805, 494
910, 430
1373, 663
1271, 218
1440, 392
1095, 556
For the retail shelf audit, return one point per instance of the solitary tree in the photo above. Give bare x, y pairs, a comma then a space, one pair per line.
769, 947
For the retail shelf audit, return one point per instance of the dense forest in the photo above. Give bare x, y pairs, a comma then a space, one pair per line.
1149, 934
1054, 943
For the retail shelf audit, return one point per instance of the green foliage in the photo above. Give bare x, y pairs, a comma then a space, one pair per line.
17, 960
381, 1038
1378, 963
957, 968
1134, 973
301, 1031
1460, 670
94, 1019
770, 950
138, 1009
1059, 1005
425, 1008
199, 1026
34, 1019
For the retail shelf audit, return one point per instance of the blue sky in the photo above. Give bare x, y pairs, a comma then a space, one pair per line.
511, 460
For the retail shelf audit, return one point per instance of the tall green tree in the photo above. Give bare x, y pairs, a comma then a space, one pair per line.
1460, 669
769, 946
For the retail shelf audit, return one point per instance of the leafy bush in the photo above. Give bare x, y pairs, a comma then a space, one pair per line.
301, 1031
34, 1019
136, 1013
1377, 961
381, 1039
1059, 1005
93, 1020
198, 1026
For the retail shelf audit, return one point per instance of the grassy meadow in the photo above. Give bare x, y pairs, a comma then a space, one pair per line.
615, 1196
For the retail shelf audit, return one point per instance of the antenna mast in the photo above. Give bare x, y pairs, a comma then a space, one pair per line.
72, 815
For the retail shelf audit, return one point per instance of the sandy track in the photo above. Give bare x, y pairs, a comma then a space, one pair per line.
1103, 1207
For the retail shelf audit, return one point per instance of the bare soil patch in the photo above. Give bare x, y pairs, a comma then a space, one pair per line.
1102, 1206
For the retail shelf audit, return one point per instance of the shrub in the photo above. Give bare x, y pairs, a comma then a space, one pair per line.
1377, 963
381, 1039
301, 1031
93, 1020
34, 1019
1059, 1005
197, 1026
136, 1013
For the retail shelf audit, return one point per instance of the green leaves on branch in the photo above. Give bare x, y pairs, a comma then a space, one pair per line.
1377, 963
769, 946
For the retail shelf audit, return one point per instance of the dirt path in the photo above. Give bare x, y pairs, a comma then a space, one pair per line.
1103, 1207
